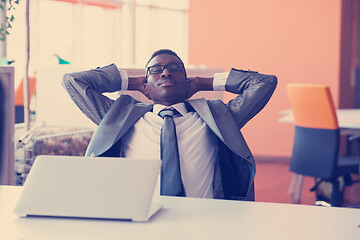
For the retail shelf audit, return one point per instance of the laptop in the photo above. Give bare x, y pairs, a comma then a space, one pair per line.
91, 187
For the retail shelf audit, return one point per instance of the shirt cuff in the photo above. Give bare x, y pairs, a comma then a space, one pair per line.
124, 79
219, 81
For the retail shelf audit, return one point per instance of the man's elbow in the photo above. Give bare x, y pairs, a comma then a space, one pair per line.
273, 81
67, 80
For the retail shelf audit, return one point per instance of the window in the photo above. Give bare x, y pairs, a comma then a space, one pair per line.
163, 24
98, 32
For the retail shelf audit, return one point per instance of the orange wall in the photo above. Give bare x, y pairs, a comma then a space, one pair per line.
298, 41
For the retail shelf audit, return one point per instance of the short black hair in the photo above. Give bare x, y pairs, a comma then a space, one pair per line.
164, 51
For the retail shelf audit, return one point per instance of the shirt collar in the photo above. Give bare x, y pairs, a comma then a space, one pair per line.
180, 107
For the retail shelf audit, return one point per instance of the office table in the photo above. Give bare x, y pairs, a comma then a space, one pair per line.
190, 218
347, 118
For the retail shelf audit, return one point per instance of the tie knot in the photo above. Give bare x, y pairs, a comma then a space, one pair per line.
168, 112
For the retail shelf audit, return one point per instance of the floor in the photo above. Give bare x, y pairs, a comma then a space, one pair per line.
272, 183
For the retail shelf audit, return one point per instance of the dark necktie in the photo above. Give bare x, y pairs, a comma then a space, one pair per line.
171, 183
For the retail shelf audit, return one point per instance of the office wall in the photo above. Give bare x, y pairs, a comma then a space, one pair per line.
298, 41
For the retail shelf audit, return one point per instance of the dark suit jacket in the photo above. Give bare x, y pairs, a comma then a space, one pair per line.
235, 166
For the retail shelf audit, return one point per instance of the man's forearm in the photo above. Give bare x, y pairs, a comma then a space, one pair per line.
196, 84
254, 91
136, 83
240, 81
205, 84
86, 88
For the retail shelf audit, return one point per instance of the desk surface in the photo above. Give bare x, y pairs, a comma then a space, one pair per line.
190, 218
347, 118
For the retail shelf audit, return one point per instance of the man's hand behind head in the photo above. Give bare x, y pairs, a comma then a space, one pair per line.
197, 84
193, 86
138, 84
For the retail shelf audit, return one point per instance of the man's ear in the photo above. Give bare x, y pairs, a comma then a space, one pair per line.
146, 91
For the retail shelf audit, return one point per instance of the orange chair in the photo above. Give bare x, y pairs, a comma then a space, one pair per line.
317, 139
19, 98
19, 92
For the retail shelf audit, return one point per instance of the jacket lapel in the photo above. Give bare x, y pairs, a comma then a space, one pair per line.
110, 131
202, 108
137, 111
223, 127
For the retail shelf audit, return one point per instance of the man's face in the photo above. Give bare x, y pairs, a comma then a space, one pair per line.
166, 85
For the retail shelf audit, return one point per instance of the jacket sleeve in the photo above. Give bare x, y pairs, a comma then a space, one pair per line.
86, 90
254, 91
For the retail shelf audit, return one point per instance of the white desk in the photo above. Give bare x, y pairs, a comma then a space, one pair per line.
189, 218
347, 118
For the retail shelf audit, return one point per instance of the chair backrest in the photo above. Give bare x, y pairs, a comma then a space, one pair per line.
316, 145
312, 106
19, 92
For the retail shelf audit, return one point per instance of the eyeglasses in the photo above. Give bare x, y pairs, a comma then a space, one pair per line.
172, 67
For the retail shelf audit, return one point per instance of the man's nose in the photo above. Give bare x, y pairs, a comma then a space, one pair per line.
166, 73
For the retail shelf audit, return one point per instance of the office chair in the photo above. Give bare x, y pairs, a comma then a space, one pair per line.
317, 139
19, 98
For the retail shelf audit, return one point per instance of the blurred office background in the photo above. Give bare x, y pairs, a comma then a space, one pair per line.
300, 41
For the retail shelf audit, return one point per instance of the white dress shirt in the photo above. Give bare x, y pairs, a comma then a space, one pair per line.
197, 143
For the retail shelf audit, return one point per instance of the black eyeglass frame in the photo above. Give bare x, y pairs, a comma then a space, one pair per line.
163, 68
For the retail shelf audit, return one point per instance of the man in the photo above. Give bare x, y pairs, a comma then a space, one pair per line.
214, 159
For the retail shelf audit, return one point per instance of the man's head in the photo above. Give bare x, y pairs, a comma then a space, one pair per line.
166, 81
